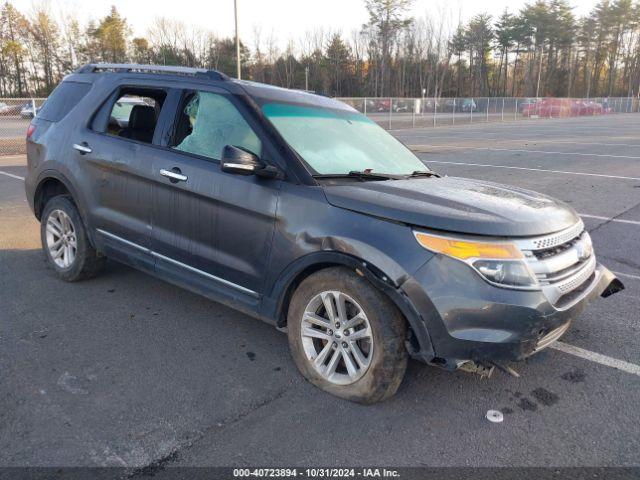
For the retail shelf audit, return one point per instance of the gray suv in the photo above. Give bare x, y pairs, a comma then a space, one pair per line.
296, 209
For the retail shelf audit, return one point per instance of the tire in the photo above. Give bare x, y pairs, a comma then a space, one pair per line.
380, 359
62, 232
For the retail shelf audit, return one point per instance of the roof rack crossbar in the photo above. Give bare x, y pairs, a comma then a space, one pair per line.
139, 68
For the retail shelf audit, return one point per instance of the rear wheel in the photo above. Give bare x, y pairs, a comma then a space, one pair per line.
346, 337
65, 242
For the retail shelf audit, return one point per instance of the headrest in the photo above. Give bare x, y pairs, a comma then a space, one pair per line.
142, 117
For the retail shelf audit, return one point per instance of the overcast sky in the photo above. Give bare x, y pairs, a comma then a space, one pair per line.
287, 19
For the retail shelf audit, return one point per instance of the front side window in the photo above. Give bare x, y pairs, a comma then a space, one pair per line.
208, 122
340, 141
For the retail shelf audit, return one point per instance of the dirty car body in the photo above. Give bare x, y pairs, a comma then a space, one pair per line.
249, 240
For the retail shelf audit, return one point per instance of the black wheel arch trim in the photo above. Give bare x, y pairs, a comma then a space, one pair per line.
274, 304
49, 174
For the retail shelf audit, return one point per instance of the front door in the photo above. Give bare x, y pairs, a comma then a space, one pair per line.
212, 230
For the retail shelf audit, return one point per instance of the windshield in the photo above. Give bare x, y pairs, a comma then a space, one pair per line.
339, 142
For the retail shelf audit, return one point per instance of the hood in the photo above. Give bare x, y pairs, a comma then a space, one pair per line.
456, 205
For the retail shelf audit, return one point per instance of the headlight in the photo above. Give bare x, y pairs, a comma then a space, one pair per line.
500, 263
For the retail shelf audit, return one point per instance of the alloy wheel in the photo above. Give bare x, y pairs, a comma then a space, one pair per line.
337, 337
61, 239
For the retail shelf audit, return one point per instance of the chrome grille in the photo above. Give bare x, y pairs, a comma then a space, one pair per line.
561, 262
577, 280
553, 240
559, 238
558, 276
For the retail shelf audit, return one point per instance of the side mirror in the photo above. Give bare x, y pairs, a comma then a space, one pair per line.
243, 162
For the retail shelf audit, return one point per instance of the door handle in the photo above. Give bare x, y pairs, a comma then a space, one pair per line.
175, 175
83, 148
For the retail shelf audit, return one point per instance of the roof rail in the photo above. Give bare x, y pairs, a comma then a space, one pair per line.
138, 68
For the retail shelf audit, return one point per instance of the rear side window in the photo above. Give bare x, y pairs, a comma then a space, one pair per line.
62, 100
135, 115
130, 112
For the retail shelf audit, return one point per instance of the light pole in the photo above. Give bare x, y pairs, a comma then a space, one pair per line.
235, 10
306, 78
539, 72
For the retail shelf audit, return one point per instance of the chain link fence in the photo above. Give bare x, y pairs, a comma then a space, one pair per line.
400, 113
15, 115
390, 113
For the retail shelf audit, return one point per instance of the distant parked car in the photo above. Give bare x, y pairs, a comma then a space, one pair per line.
526, 104
382, 105
7, 110
547, 107
430, 104
563, 107
27, 110
589, 107
469, 105
370, 105
403, 105
606, 106
581, 107
449, 104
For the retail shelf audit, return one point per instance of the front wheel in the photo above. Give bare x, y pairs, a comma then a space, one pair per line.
65, 242
346, 337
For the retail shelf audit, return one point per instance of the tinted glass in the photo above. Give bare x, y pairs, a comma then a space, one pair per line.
62, 100
208, 122
339, 141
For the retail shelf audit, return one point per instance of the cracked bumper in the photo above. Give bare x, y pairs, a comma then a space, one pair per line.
469, 319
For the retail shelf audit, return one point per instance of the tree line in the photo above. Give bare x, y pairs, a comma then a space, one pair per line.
542, 50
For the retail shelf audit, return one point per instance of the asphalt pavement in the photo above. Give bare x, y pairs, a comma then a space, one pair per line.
126, 370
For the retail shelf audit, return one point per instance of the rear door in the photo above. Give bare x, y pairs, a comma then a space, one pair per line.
116, 152
212, 230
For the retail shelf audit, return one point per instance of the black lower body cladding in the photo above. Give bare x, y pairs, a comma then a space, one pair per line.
469, 319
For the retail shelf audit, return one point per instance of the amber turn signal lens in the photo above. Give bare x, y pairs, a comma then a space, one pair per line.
464, 250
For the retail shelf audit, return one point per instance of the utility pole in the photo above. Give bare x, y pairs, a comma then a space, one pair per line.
306, 78
235, 9
539, 72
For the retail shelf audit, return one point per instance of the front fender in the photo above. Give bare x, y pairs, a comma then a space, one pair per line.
275, 304
312, 234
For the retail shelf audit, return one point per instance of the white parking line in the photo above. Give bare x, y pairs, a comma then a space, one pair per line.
534, 169
597, 358
572, 143
17, 177
522, 150
618, 220
537, 138
529, 138
627, 275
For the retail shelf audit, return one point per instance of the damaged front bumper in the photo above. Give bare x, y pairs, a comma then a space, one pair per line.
468, 319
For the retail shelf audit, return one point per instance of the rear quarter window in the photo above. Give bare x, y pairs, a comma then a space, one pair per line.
62, 100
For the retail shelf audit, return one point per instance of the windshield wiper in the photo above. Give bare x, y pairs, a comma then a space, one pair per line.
359, 175
424, 173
